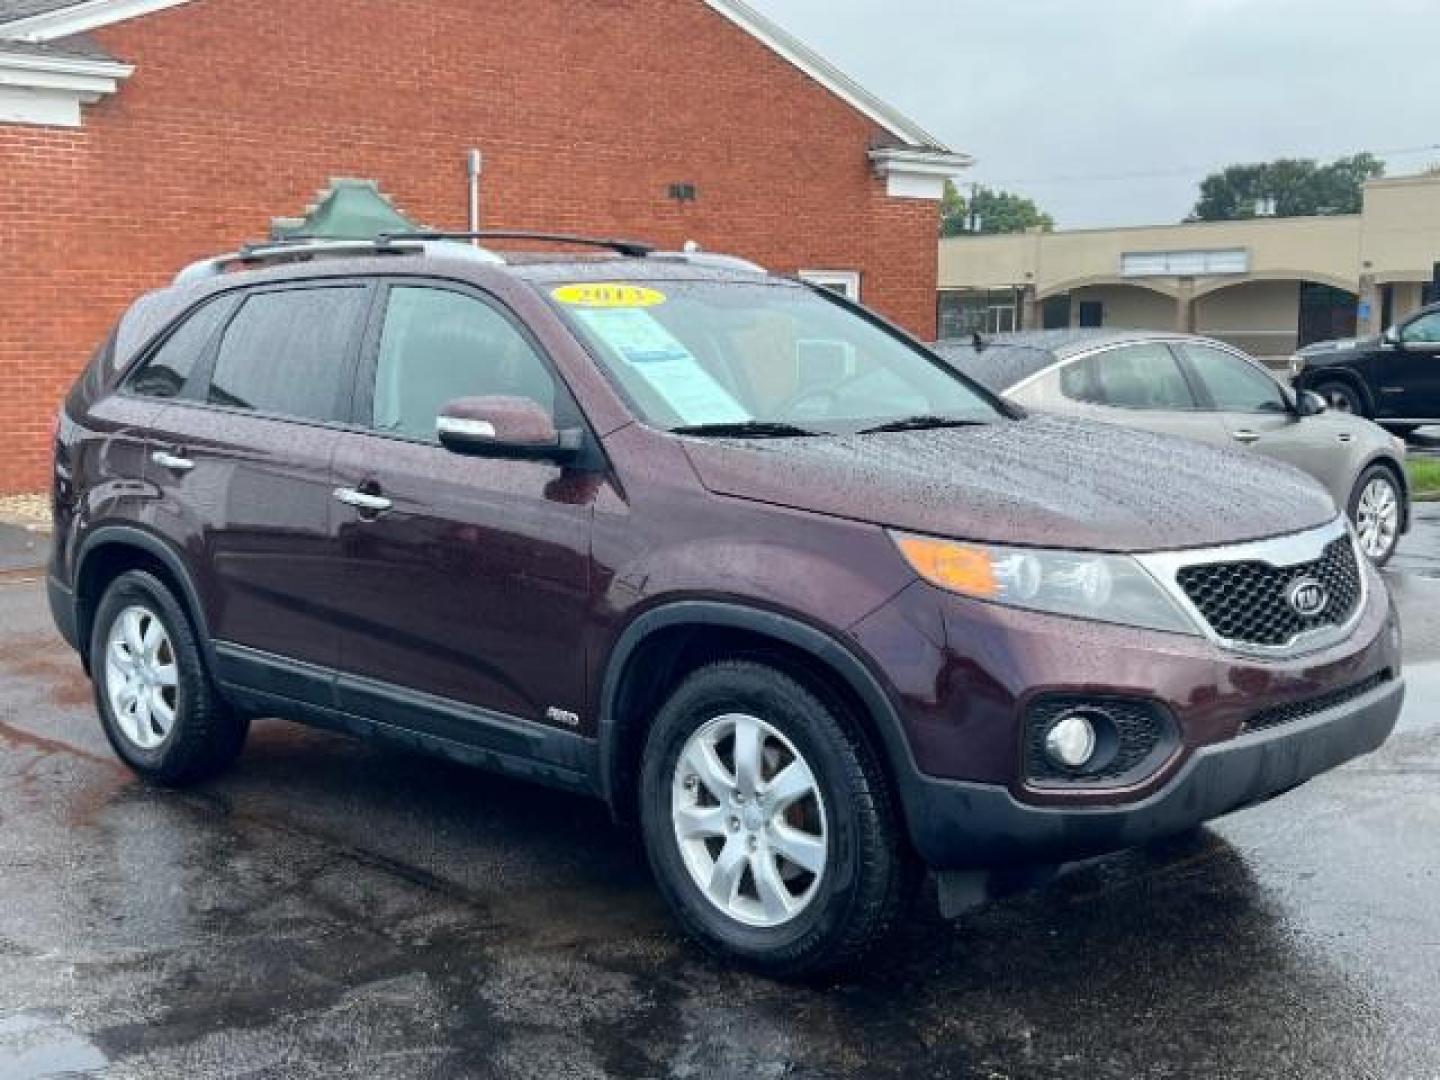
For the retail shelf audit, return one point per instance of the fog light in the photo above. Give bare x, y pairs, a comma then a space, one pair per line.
1071, 741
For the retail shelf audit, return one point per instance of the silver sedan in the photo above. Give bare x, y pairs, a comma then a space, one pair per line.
1201, 389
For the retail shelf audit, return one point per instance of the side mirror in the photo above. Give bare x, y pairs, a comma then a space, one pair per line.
1310, 403
1392, 337
502, 426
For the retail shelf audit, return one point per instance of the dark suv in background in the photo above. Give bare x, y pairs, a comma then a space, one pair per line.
726, 551
1393, 379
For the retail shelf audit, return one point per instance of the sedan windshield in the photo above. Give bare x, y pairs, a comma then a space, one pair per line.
739, 359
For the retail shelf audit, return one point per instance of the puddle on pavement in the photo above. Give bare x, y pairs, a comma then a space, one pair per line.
34, 1046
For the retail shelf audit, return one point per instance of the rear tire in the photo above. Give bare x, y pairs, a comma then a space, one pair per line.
1342, 397
1377, 507
720, 833
157, 704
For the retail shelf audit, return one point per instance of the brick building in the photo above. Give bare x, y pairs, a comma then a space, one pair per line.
137, 135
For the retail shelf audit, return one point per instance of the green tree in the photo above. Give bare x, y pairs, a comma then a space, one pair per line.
1286, 188
996, 211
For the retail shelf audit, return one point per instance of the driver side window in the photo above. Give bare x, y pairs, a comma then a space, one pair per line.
437, 346
1422, 331
1235, 385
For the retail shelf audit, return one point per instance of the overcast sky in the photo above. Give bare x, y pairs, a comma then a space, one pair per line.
1052, 95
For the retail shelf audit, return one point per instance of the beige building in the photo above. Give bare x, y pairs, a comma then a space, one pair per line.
1266, 285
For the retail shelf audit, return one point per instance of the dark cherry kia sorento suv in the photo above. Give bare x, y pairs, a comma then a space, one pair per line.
724, 550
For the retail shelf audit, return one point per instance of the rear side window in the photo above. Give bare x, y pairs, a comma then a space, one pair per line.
288, 352
170, 366
1130, 377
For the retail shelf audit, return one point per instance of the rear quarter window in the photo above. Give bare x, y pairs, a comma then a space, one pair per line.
167, 371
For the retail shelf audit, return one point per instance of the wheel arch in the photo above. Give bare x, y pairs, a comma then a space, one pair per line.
663, 644
112, 550
1397, 471
1349, 376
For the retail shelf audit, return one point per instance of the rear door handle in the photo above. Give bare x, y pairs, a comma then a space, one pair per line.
363, 501
173, 462
1246, 436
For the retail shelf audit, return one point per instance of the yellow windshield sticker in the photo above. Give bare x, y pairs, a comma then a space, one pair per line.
608, 295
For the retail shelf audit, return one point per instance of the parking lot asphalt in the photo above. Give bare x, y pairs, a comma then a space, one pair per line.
332, 909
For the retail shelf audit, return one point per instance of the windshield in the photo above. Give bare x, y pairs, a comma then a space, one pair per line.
760, 359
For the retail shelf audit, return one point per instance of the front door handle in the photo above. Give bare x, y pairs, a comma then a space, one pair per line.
363, 501
173, 462
1246, 437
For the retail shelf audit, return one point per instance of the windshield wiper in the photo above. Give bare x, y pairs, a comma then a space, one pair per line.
745, 429
921, 423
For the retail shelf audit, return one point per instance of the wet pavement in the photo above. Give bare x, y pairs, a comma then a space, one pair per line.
21, 548
331, 909
1420, 551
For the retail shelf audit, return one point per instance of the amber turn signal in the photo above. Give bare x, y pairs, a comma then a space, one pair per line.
962, 569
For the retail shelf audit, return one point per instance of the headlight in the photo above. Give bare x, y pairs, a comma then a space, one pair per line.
1107, 588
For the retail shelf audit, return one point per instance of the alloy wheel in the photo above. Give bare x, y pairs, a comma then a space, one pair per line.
142, 677
1338, 400
750, 820
1377, 517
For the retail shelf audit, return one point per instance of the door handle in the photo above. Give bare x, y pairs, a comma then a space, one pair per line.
173, 462
362, 501
1246, 437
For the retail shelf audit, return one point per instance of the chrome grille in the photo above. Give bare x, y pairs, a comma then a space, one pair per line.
1247, 602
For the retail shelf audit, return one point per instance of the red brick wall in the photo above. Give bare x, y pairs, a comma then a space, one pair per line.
586, 112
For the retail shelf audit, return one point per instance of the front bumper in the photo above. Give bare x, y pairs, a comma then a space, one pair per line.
63, 611
960, 825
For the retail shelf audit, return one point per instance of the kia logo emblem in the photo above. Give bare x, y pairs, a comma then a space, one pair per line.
1307, 597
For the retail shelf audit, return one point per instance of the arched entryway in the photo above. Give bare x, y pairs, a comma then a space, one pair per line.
1108, 302
1272, 317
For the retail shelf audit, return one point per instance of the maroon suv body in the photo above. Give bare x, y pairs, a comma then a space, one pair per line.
551, 573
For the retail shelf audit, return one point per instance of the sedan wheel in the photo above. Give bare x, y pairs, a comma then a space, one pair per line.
1377, 515
750, 820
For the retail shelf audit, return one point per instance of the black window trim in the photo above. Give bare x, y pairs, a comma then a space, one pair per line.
362, 393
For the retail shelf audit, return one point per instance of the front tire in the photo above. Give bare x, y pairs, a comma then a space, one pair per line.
1377, 507
158, 707
770, 827
1342, 397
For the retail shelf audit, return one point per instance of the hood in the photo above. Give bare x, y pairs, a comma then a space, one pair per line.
1338, 346
1042, 481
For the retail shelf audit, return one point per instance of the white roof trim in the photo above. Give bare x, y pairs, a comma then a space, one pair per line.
824, 72
917, 174
80, 17
49, 90
943, 164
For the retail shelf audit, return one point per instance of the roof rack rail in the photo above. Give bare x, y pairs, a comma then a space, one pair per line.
631, 248
300, 248
711, 258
